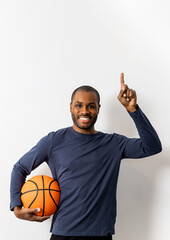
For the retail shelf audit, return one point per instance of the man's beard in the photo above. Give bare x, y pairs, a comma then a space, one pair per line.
84, 127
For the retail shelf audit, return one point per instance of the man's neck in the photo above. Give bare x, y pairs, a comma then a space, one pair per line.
89, 131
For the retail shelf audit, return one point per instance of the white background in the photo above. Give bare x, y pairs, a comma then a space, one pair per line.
47, 49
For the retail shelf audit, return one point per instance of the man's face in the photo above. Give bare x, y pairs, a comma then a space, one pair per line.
84, 110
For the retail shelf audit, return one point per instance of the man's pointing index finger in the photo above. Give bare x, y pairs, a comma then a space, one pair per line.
122, 83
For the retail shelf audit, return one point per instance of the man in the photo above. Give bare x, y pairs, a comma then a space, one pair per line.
86, 164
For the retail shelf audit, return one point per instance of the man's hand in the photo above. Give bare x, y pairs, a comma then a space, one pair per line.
127, 96
28, 214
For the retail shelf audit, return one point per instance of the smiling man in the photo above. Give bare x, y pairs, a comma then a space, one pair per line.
84, 107
86, 164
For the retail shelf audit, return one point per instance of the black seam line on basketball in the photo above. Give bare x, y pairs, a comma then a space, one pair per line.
51, 194
46, 189
36, 194
51, 183
53, 199
43, 196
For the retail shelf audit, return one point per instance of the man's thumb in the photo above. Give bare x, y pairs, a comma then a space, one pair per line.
35, 210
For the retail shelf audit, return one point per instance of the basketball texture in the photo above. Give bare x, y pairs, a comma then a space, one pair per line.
41, 192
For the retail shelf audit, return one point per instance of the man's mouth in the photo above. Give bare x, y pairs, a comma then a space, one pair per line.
84, 119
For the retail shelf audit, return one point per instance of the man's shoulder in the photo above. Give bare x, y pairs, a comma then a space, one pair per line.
59, 132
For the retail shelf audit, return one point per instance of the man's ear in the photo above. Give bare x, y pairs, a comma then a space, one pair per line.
99, 108
70, 107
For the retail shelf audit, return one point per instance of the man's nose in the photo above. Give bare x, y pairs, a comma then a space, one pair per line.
84, 110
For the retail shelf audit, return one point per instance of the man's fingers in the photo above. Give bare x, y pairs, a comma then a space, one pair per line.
122, 83
35, 210
124, 90
130, 94
36, 218
39, 219
31, 210
127, 94
28, 214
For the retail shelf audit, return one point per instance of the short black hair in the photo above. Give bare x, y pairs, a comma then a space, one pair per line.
86, 88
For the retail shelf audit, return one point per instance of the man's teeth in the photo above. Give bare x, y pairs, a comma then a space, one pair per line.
83, 118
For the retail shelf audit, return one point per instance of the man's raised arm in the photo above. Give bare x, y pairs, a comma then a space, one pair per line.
148, 144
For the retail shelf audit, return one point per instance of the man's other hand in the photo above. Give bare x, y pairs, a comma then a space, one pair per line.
127, 96
28, 214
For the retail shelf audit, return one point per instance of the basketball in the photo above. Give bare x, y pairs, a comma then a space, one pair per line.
41, 192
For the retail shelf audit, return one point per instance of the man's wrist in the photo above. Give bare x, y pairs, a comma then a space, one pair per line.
16, 208
132, 109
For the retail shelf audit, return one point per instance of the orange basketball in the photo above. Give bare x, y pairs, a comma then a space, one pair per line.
41, 192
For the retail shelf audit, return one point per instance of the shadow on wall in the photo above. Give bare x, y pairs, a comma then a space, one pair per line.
137, 185
143, 198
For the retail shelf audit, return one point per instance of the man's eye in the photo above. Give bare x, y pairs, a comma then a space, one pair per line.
78, 105
91, 106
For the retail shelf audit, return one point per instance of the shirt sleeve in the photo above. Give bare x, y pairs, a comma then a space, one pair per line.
148, 144
28, 162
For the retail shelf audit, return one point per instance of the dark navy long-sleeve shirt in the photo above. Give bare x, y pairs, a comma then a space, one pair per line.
86, 167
